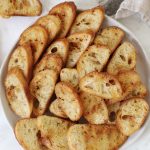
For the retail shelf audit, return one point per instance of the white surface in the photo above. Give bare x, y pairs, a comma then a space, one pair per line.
129, 7
7, 139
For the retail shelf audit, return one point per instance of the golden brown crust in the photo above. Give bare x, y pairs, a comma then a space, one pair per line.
108, 40
78, 43
87, 136
93, 59
26, 132
20, 8
87, 25
123, 59
54, 131
101, 84
56, 109
37, 37
70, 75
131, 84
62, 10
132, 115
60, 47
42, 87
9, 88
51, 23
50, 62
95, 109
15, 60
70, 100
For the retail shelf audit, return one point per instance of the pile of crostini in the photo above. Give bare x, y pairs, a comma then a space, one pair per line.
74, 84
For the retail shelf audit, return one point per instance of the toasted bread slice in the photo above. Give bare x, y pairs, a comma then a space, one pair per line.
70, 100
17, 92
95, 137
128, 78
88, 20
112, 111
54, 132
93, 59
42, 87
101, 84
132, 85
67, 13
70, 75
20, 8
52, 24
37, 37
56, 108
78, 43
60, 47
26, 132
136, 90
110, 36
123, 59
22, 58
50, 62
95, 109
132, 115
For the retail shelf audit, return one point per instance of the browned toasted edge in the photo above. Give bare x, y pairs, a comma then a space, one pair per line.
15, 133
18, 72
114, 53
24, 15
60, 116
70, 4
65, 42
90, 32
144, 118
119, 42
100, 8
35, 112
56, 56
75, 94
45, 35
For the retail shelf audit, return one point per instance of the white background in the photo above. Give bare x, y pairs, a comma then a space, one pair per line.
10, 30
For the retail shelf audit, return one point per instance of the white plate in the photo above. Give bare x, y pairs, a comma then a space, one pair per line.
143, 67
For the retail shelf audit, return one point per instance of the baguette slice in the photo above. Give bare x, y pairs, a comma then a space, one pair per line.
128, 78
101, 84
123, 59
70, 75
54, 132
95, 137
67, 13
95, 109
132, 85
110, 36
50, 62
70, 100
132, 115
51, 23
20, 8
112, 111
136, 90
42, 87
37, 37
88, 20
93, 59
60, 47
26, 132
56, 108
17, 92
78, 43
22, 58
